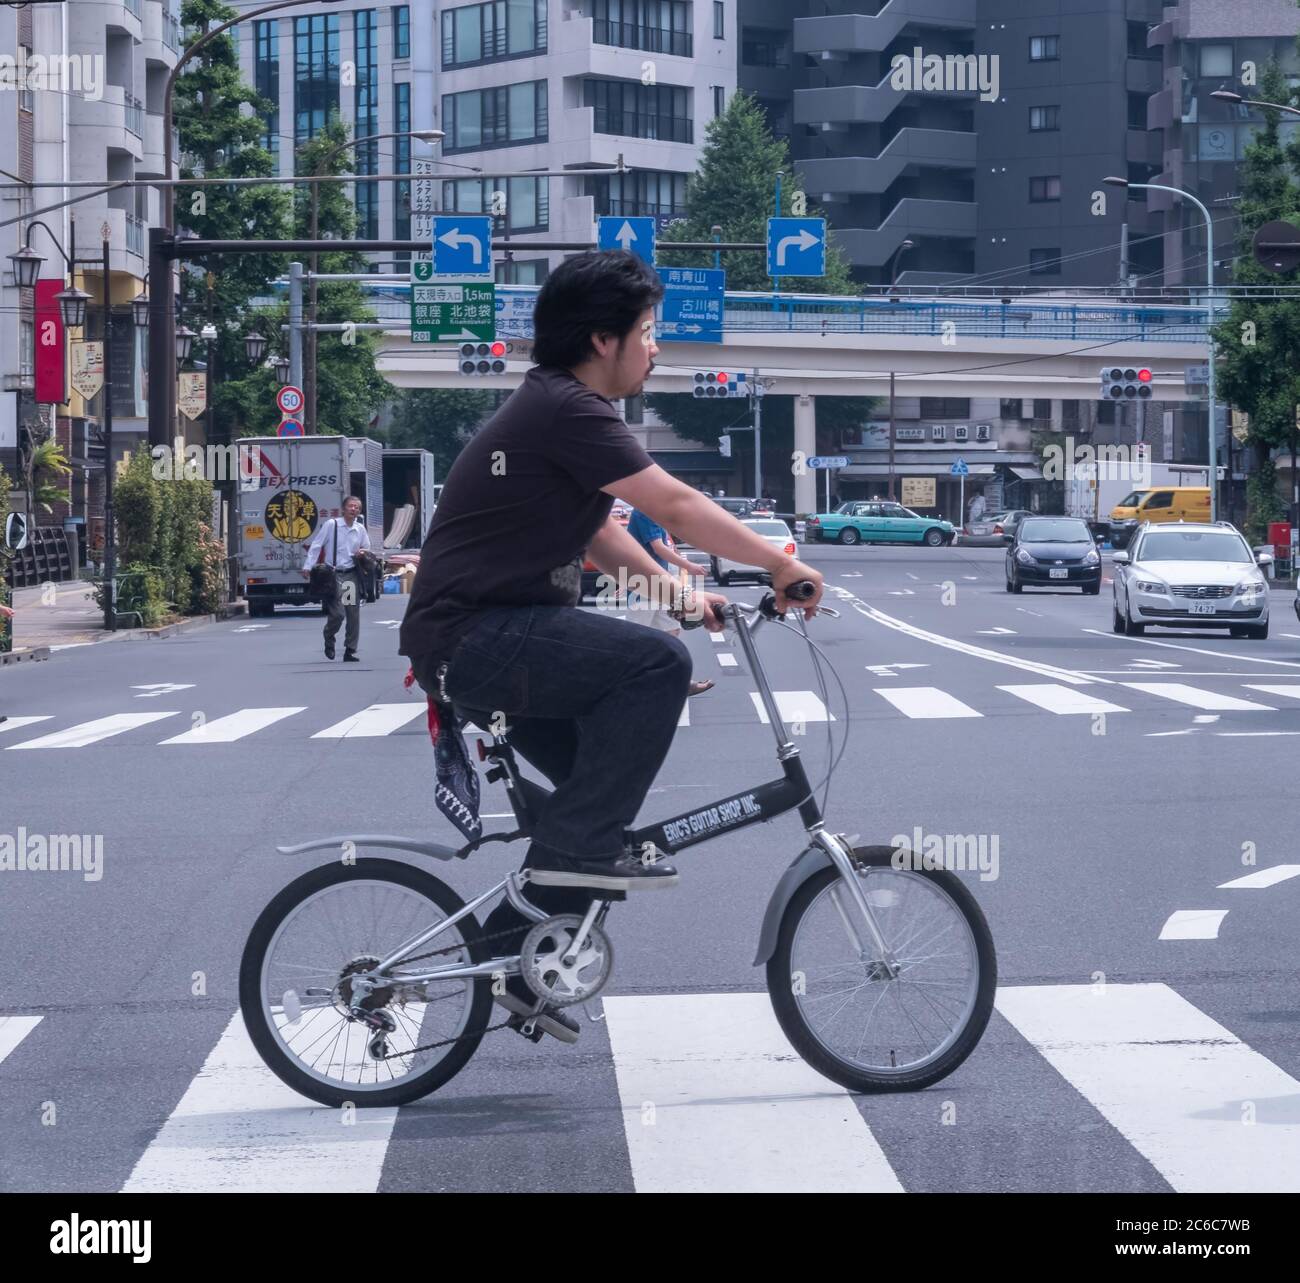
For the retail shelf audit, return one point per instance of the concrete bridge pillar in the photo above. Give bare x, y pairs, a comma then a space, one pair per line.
805, 440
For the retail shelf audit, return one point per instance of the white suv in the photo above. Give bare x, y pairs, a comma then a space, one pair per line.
1190, 575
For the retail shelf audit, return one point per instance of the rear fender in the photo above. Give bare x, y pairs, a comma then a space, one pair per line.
434, 849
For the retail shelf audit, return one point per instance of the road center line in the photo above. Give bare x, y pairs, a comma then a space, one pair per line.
1198, 650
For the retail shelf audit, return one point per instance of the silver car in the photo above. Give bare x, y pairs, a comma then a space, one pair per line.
1190, 575
775, 531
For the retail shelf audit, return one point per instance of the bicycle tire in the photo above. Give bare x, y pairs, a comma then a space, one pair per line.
263, 1036
805, 1042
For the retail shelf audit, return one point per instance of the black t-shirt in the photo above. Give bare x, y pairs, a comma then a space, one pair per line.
518, 510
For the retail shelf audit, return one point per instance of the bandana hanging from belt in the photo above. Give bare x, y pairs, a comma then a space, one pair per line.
456, 793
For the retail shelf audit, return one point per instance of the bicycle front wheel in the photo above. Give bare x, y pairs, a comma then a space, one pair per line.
847, 1014
295, 990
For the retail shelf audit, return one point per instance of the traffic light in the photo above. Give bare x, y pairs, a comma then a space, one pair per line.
1125, 383
712, 383
724, 445
484, 358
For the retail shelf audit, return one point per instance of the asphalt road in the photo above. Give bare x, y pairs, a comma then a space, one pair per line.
1147, 1032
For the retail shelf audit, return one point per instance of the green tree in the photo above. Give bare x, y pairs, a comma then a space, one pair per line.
222, 125
349, 390
733, 187
439, 420
1255, 344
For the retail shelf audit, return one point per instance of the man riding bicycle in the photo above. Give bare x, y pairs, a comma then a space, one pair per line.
591, 701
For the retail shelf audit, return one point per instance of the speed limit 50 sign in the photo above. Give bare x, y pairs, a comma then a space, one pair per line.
290, 400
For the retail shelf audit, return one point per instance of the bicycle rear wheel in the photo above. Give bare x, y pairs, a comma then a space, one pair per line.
341, 920
845, 1014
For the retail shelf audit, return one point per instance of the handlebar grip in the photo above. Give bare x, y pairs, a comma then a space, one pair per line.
801, 590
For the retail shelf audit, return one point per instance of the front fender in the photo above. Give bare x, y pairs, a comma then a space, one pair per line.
434, 849
810, 861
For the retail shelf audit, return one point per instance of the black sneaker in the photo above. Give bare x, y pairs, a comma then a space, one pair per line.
627, 873
552, 1020
329, 650
350, 657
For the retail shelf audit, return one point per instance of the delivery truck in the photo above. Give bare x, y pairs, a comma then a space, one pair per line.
288, 487
408, 498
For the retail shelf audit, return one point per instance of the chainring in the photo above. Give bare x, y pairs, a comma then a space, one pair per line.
544, 971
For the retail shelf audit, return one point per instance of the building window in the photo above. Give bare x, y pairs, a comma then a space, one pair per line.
1045, 189
315, 73
657, 26
945, 407
527, 201
1042, 119
719, 20
402, 31
529, 271
365, 30
1011, 408
402, 165
266, 79
719, 100
764, 47
1216, 61
1045, 262
27, 347
26, 94
647, 192
634, 110
478, 33
1106, 412
1042, 409
505, 116
1044, 48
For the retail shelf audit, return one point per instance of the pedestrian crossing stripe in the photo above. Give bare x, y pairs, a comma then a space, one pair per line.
915, 702
714, 1098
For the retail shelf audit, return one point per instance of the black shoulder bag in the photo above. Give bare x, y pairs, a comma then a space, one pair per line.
324, 581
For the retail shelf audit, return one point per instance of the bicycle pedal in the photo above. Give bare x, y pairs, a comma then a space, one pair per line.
527, 1026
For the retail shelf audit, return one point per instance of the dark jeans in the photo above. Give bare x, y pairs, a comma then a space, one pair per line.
591, 702
349, 588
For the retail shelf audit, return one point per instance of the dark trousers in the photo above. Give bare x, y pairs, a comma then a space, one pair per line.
339, 610
592, 702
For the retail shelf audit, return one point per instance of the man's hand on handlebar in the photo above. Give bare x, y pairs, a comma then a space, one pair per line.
792, 572
705, 602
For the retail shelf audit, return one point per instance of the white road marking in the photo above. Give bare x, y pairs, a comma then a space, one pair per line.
909, 574
926, 701
225, 730
1205, 718
727, 661
902, 592
1197, 650
1193, 924
1063, 699
715, 1100
1152, 663
967, 648
891, 670
13, 1029
718, 639
376, 720
388, 623
684, 717
1198, 698
1155, 735
1172, 1081
854, 574
250, 628
1252, 734
70, 646
997, 632
13, 723
239, 1128
91, 732
155, 689
1262, 878
794, 706
970, 576
1037, 614
1292, 691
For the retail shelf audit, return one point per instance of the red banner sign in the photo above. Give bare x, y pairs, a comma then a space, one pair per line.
51, 359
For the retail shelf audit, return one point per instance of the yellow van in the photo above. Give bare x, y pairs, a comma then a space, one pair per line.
1160, 503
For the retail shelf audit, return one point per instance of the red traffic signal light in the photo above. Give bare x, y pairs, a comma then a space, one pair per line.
498, 349
1144, 376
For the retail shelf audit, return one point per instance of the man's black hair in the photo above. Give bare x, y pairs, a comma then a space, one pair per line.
601, 292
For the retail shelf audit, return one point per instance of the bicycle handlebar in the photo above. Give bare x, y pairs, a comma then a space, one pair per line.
800, 590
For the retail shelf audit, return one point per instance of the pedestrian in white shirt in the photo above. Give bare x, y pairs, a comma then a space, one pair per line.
344, 540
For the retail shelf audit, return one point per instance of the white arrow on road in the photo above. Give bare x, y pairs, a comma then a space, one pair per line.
891, 670
388, 623
154, 689
902, 592
251, 628
456, 238
805, 240
625, 235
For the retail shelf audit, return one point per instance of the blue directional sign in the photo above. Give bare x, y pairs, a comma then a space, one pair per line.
692, 306
634, 234
796, 247
462, 246
829, 461
960, 469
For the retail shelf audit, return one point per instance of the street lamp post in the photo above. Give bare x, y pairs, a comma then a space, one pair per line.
309, 363
893, 298
1211, 309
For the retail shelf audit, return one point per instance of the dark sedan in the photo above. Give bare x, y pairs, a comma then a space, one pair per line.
1054, 552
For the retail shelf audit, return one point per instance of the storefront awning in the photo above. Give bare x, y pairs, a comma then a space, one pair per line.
1026, 474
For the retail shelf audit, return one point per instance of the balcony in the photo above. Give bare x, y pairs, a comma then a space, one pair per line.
171, 32
640, 124
160, 34
135, 234
126, 236
1143, 148
872, 33
628, 35
134, 115
872, 246
1143, 75
494, 49
855, 104
909, 149
133, 6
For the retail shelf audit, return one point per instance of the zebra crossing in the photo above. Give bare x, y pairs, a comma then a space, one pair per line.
918, 703
713, 1098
